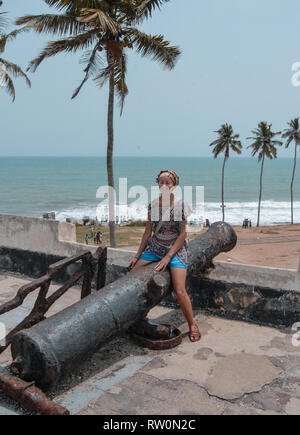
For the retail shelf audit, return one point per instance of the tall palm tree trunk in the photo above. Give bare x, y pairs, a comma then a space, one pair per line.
223, 206
292, 182
260, 190
109, 159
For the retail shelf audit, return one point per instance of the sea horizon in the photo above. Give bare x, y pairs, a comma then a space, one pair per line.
141, 157
67, 186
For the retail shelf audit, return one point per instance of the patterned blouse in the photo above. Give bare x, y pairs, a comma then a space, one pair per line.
161, 242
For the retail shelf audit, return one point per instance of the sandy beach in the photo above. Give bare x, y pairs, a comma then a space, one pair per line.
273, 246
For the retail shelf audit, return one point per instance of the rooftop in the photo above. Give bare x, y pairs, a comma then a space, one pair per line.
236, 368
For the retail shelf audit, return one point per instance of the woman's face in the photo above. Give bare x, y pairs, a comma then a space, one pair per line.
165, 183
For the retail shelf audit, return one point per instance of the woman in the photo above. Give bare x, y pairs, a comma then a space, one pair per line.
169, 244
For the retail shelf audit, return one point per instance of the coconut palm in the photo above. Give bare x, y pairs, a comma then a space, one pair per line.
227, 139
106, 29
265, 145
292, 134
6, 67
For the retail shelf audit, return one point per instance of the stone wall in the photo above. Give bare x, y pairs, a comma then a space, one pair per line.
256, 304
40, 235
59, 239
50, 237
258, 294
288, 279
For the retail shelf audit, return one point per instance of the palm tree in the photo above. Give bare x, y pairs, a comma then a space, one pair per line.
292, 134
106, 29
265, 145
227, 139
7, 67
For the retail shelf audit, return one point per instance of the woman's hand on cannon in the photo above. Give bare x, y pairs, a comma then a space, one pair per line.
162, 264
132, 263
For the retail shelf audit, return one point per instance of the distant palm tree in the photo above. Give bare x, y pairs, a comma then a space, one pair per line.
227, 139
7, 67
292, 134
108, 27
265, 145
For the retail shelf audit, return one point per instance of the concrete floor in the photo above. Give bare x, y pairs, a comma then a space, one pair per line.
236, 368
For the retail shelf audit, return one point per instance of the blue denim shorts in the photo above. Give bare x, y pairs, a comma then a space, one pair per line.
174, 262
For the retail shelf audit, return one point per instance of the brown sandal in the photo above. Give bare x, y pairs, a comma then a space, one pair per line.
194, 334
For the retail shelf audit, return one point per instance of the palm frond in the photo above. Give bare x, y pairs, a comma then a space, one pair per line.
277, 142
153, 45
145, 8
104, 75
93, 60
68, 45
123, 9
120, 83
3, 22
292, 133
227, 139
236, 146
53, 24
289, 140
8, 84
10, 36
72, 6
97, 18
264, 142
97, 23
15, 70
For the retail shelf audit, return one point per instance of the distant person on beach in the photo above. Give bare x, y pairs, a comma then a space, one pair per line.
169, 243
98, 237
87, 239
246, 223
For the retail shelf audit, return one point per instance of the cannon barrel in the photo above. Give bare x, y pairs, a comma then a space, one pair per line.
220, 237
51, 348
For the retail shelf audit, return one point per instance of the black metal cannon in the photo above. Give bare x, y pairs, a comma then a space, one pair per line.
51, 348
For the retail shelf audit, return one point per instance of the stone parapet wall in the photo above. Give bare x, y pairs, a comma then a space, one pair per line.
288, 279
35, 234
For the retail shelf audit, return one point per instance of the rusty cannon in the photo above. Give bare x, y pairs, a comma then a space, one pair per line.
57, 344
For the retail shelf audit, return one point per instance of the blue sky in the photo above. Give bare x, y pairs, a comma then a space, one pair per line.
235, 67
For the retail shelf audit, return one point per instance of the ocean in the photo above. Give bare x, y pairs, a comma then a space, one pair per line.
31, 186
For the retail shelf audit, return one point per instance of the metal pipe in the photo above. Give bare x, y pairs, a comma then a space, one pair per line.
28, 395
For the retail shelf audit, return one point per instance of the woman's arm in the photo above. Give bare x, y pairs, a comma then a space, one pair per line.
146, 235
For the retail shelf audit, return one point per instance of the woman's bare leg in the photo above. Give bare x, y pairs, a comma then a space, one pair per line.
178, 275
178, 279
